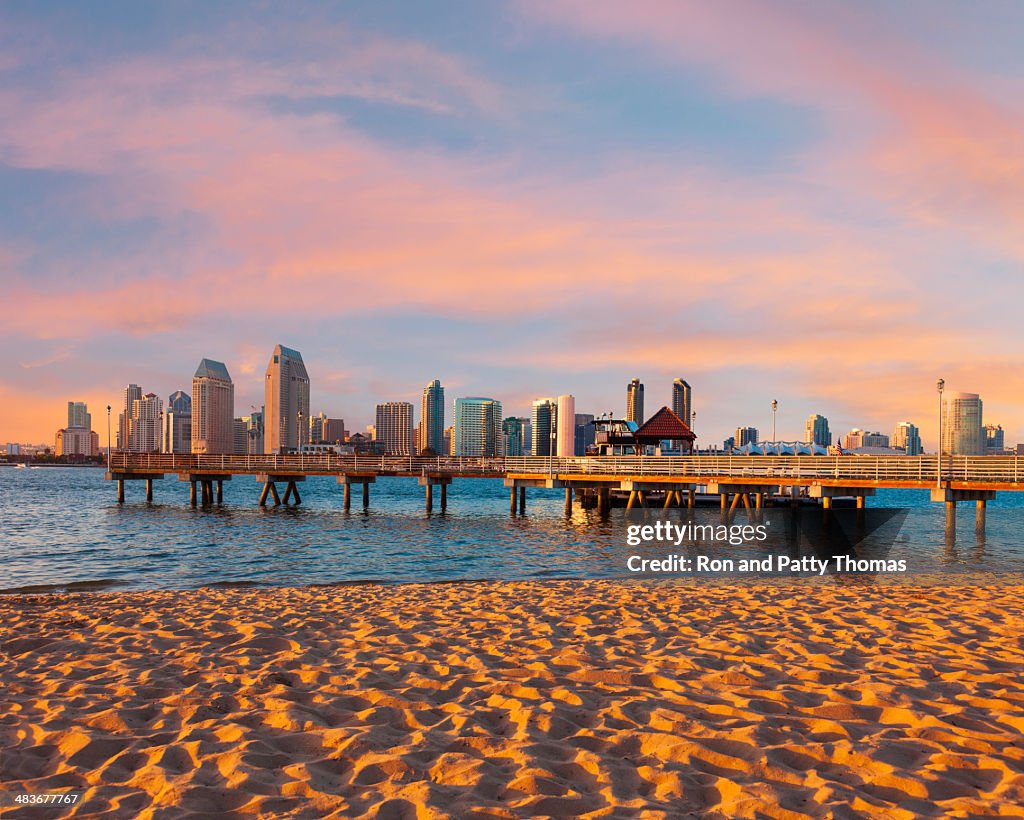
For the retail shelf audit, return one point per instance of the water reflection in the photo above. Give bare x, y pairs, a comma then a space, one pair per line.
62, 526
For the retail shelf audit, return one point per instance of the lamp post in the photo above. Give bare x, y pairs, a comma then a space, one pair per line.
298, 434
775, 406
108, 438
160, 433
693, 424
939, 386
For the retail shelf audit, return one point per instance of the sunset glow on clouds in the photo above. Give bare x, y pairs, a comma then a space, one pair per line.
818, 203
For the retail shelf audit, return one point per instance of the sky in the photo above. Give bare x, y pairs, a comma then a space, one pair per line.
816, 202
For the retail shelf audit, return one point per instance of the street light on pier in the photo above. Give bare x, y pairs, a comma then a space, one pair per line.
939, 386
108, 438
775, 406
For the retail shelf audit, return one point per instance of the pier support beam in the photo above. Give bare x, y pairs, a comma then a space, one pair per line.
824, 491
444, 497
122, 477
826, 502
220, 491
604, 501
512, 501
270, 482
522, 500
192, 494
365, 479
950, 497
429, 482
263, 494
568, 501
348, 497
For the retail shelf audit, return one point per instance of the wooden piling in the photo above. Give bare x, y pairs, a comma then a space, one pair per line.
149, 489
192, 493
348, 497
512, 501
273, 493
288, 492
568, 500
366, 495
220, 492
522, 500
430, 496
120, 491
444, 497
826, 503
266, 491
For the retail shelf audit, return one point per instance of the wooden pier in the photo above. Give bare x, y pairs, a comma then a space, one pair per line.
747, 481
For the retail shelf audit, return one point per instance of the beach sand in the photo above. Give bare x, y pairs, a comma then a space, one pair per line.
597, 699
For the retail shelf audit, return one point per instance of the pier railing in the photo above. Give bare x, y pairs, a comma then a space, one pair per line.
798, 469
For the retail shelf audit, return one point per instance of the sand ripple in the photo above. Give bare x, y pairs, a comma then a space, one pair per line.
557, 699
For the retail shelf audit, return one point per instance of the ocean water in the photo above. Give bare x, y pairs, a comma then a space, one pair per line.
62, 528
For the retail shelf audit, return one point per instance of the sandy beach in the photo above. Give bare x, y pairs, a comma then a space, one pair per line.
562, 699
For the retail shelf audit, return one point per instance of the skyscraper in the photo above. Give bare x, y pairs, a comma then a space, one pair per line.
286, 402
542, 422
586, 433
565, 420
816, 430
907, 437
432, 418
682, 403
963, 432
178, 423
635, 401
512, 430
131, 393
144, 424
477, 427
79, 416
995, 440
213, 409
745, 435
394, 427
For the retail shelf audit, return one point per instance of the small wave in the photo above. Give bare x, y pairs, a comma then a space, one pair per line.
73, 586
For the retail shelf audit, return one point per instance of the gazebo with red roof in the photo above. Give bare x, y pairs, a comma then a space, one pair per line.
661, 426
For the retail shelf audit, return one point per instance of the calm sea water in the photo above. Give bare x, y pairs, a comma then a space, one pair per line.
62, 527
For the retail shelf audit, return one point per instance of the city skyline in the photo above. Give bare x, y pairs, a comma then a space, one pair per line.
135, 391
778, 205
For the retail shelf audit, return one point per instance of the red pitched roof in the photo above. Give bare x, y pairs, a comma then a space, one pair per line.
664, 425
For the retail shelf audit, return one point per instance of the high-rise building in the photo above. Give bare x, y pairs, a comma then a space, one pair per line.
745, 435
286, 402
394, 427
477, 427
177, 436
179, 402
585, 434
995, 440
213, 409
324, 430
432, 418
858, 438
565, 421
635, 401
682, 400
907, 437
816, 430
512, 430
542, 420
963, 431
76, 441
131, 393
78, 415
449, 440
143, 424
240, 436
